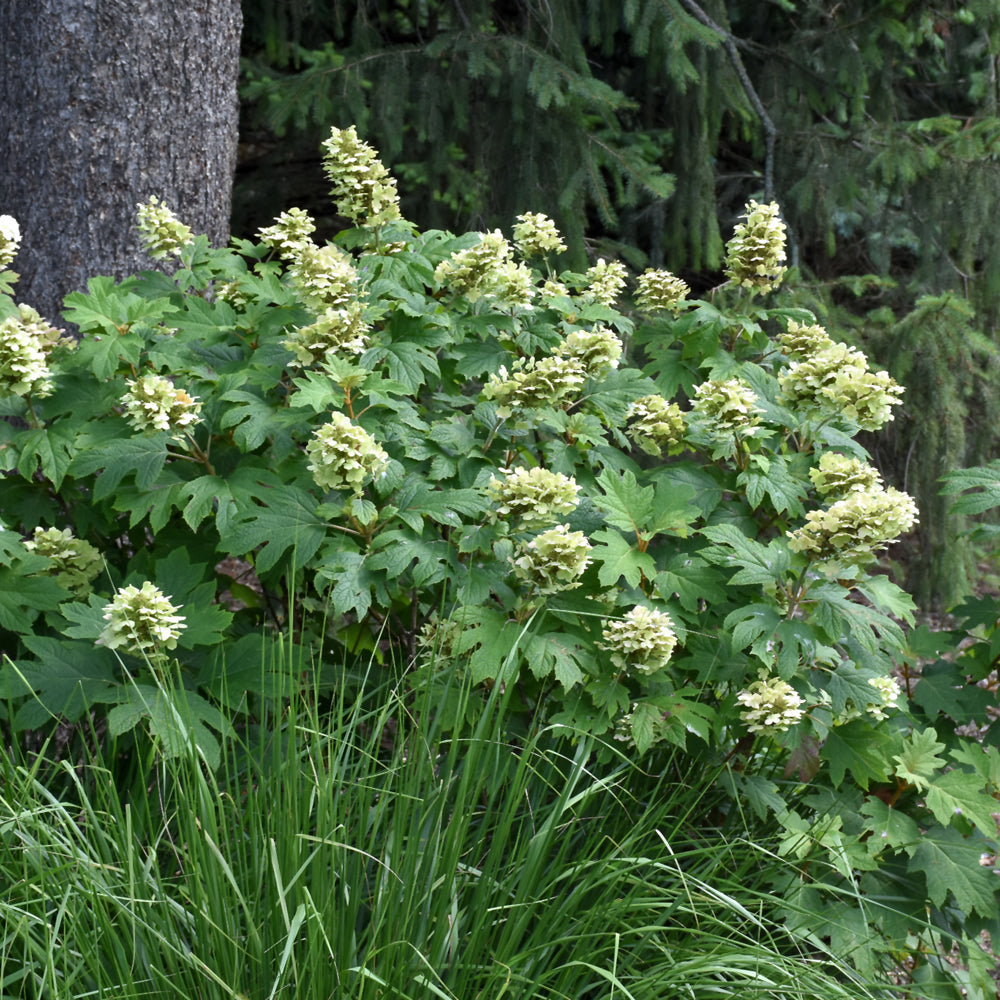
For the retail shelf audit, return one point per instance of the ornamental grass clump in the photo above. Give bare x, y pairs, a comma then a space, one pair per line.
344, 455
153, 404
535, 496
641, 642
362, 189
770, 705
161, 232
661, 291
74, 561
535, 235
554, 560
141, 621
655, 425
755, 255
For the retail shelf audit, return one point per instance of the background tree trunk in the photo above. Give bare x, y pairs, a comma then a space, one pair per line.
102, 104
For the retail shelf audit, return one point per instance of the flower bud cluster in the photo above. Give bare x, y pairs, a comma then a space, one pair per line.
642, 641
289, 234
161, 232
605, 281
755, 255
324, 276
141, 620
888, 696
26, 340
837, 476
535, 235
532, 384
344, 455
836, 383
598, 350
10, 240
75, 562
363, 190
659, 291
655, 425
804, 340
729, 406
770, 704
336, 331
851, 531
154, 404
535, 496
554, 560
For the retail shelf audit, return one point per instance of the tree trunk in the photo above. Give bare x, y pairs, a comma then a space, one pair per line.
104, 103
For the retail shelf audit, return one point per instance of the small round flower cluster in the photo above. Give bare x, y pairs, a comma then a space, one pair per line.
770, 704
837, 476
729, 406
598, 350
656, 425
642, 641
26, 340
10, 240
363, 190
755, 255
324, 276
801, 340
553, 289
486, 269
533, 384
554, 560
604, 281
535, 496
153, 403
659, 291
141, 620
233, 294
535, 235
851, 531
836, 383
342, 331
161, 232
289, 234
888, 696
75, 562
344, 455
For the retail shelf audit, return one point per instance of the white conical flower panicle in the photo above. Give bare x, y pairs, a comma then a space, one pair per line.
289, 234
154, 404
535, 235
755, 255
10, 240
770, 705
535, 496
344, 455
161, 232
364, 191
643, 641
141, 620
554, 560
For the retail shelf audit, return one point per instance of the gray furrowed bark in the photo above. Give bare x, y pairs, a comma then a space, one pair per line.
104, 103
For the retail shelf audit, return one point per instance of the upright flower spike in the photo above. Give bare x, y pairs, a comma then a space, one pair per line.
161, 232
598, 350
802, 340
75, 562
535, 235
141, 620
363, 190
755, 255
554, 560
289, 234
533, 384
728, 405
324, 276
535, 496
26, 340
473, 272
661, 291
770, 704
10, 240
655, 425
335, 332
837, 476
154, 404
344, 455
605, 281
643, 641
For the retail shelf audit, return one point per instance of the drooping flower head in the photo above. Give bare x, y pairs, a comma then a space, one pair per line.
554, 560
75, 562
770, 704
755, 255
289, 233
10, 239
605, 281
535, 496
335, 332
153, 403
363, 190
344, 455
161, 232
533, 384
642, 641
141, 620
535, 235
598, 350
661, 291
656, 425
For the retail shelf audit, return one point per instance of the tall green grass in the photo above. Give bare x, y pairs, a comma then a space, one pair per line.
345, 848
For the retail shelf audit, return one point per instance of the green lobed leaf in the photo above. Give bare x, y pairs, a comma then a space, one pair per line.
620, 560
951, 865
859, 749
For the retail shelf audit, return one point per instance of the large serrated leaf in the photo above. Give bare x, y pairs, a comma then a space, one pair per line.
142, 457
951, 864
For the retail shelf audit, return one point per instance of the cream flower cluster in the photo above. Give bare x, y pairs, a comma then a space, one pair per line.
363, 190
554, 560
26, 340
289, 234
153, 403
598, 350
535, 235
336, 331
605, 281
642, 641
141, 620
835, 382
756, 253
161, 232
536, 496
802, 340
837, 476
487, 270
344, 454
661, 291
75, 562
532, 384
10, 240
729, 406
324, 276
770, 704
655, 425
851, 531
